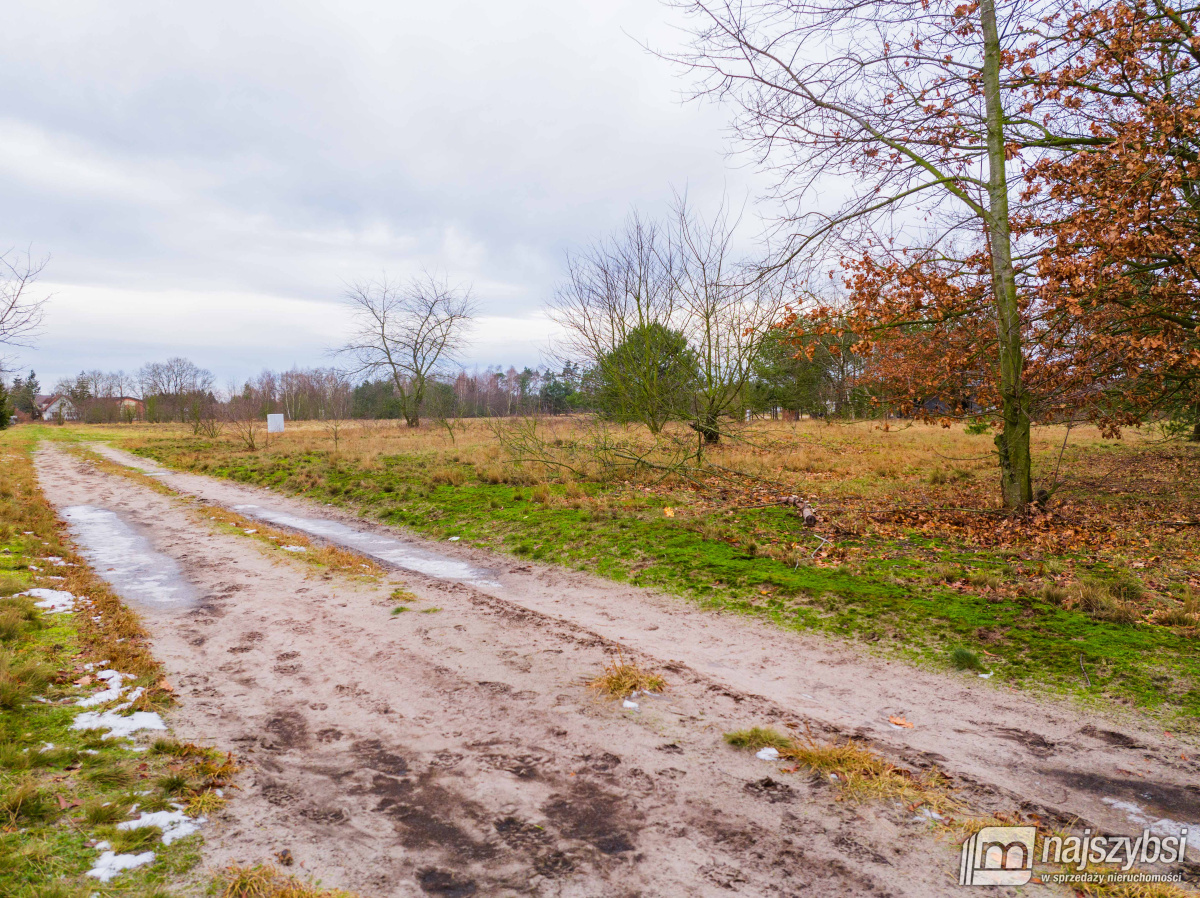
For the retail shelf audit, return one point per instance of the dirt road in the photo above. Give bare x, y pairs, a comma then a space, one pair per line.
456, 751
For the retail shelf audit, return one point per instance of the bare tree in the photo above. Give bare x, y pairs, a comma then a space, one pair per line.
171, 388
20, 309
726, 309
407, 331
618, 309
915, 113
335, 397
242, 412
669, 319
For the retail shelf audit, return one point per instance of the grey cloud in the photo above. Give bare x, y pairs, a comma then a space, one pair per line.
280, 148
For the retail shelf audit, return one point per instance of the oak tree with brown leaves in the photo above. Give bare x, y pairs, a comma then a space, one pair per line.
1075, 299
1120, 209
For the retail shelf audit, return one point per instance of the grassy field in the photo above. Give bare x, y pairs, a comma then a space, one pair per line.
910, 555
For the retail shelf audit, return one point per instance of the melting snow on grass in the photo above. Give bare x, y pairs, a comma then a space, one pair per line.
52, 601
109, 864
117, 725
113, 720
174, 824
113, 692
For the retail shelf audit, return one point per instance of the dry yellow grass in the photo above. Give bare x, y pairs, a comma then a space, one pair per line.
621, 678
262, 881
851, 453
858, 772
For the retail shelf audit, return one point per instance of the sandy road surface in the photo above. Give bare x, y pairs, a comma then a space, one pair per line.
456, 753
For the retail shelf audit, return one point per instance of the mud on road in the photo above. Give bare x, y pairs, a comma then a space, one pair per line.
455, 750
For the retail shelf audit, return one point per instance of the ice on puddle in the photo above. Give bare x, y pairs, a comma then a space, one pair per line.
174, 824
632, 706
53, 601
1162, 825
767, 754
110, 864
116, 724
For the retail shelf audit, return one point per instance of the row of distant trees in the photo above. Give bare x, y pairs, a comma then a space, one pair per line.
181, 391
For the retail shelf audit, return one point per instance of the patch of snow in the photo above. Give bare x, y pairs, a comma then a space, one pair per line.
250, 531
174, 824
294, 548
54, 601
986, 676
111, 864
116, 724
632, 706
102, 846
767, 754
114, 690
455, 539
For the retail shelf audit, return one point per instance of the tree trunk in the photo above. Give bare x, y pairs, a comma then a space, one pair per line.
708, 428
1012, 442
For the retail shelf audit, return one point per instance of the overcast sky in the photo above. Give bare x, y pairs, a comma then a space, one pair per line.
206, 177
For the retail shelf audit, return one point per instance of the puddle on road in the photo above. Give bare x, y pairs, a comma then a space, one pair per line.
126, 560
373, 545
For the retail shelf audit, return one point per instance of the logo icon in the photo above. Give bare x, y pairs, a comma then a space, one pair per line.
998, 856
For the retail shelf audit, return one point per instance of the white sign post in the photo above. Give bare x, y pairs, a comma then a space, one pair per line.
274, 423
